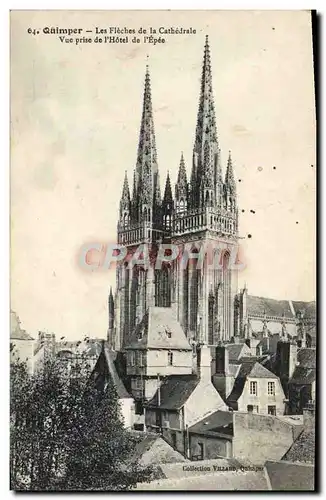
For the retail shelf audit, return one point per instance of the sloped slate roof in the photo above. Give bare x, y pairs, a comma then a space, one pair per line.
303, 448
105, 369
272, 307
288, 476
303, 375
236, 351
220, 421
159, 330
260, 371
16, 332
309, 308
307, 357
174, 392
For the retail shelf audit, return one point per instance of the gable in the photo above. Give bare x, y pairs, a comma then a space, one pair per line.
159, 330
259, 371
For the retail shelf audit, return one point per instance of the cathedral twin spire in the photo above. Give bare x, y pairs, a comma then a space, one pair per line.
206, 187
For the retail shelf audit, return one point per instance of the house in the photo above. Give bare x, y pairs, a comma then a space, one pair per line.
70, 353
212, 437
248, 437
21, 343
157, 348
105, 370
246, 385
183, 400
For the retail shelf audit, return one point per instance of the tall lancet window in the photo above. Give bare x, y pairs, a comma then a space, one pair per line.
226, 284
163, 287
134, 296
211, 308
126, 309
185, 293
193, 292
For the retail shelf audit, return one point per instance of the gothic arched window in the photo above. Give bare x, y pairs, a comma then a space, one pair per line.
193, 275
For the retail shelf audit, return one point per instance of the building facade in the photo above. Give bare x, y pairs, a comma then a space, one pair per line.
203, 213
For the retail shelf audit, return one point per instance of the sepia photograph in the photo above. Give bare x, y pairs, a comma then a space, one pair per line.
163, 321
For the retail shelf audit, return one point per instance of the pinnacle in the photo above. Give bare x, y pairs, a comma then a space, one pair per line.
168, 190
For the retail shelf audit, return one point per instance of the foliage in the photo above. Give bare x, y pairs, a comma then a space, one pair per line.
67, 431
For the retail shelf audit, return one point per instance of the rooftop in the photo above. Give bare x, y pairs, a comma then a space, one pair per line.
174, 392
159, 329
16, 332
218, 422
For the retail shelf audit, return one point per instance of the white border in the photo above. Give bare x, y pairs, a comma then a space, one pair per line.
4, 136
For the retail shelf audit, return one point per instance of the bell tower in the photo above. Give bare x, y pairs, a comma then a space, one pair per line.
206, 214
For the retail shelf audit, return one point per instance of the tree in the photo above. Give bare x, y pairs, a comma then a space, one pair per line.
67, 433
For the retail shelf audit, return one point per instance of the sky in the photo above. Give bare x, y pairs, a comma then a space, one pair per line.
75, 118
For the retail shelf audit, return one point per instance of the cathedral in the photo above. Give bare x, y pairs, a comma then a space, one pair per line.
201, 210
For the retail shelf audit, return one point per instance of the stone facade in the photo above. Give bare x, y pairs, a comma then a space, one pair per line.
202, 211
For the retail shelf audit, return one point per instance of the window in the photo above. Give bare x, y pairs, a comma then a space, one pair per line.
253, 388
252, 409
271, 388
141, 358
170, 358
132, 358
139, 408
168, 333
201, 451
271, 410
138, 384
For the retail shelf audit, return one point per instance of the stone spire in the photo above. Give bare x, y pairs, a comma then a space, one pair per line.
125, 201
205, 158
146, 177
229, 176
206, 121
181, 187
168, 191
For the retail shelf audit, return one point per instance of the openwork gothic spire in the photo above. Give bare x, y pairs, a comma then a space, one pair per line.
125, 197
206, 121
205, 158
168, 191
146, 167
229, 176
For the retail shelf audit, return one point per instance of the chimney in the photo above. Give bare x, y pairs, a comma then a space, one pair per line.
286, 358
204, 363
221, 360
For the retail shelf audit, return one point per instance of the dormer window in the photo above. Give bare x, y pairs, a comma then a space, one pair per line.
168, 333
